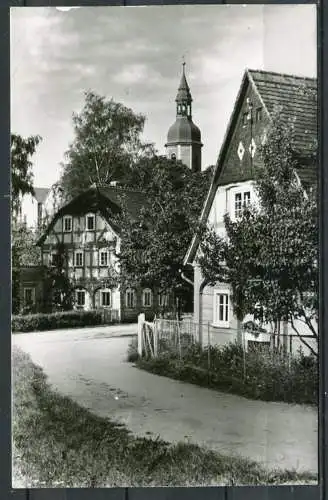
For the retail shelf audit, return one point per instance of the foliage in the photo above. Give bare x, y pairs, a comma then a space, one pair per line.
268, 376
107, 142
269, 255
21, 169
53, 321
155, 241
60, 444
58, 288
23, 253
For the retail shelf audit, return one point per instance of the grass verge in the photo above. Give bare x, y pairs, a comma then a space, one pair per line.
59, 444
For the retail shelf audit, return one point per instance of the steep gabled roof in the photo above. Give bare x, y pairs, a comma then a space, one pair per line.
295, 95
107, 200
40, 194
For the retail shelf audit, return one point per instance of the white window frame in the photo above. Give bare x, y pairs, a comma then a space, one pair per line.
80, 252
127, 302
77, 291
32, 288
225, 321
245, 200
163, 299
106, 252
145, 292
93, 217
105, 290
67, 218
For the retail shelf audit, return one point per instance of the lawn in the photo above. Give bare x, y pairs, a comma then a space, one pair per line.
59, 444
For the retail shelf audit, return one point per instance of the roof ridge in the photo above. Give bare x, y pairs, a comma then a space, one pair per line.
290, 75
122, 188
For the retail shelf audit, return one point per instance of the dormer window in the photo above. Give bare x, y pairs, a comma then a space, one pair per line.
90, 222
67, 224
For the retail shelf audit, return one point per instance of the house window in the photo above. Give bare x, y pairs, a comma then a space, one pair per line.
221, 309
90, 222
78, 259
103, 260
130, 298
54, 259
244, 119
105, 298
67, 224
147, 298
173, 156
258, 114
29, 296
80, 297
242, 200
162, 299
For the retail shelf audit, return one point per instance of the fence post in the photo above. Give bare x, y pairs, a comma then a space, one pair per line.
155, 338
208, 353
244, 352
141, 320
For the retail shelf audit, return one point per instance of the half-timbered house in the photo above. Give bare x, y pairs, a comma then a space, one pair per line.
86, 234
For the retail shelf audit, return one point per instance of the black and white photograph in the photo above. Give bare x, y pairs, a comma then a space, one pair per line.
164, 246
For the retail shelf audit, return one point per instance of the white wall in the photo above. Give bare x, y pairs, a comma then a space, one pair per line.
29, 211
224, 202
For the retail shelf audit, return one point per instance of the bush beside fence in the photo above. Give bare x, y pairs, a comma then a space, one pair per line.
58, 320
229, 368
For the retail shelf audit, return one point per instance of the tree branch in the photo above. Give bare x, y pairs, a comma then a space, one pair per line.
304, 342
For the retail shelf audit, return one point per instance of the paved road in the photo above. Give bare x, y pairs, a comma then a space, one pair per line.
89, 366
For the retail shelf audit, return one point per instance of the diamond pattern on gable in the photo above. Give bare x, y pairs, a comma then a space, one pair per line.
252, 148
240, 150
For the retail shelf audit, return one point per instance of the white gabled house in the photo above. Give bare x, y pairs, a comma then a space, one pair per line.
232, 186
36, 209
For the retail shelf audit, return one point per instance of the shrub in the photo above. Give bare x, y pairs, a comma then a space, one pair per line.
266, 376
68, 319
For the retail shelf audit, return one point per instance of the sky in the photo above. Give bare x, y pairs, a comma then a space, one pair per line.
134, 55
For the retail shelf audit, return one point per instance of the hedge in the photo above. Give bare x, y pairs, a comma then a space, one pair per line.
53, 321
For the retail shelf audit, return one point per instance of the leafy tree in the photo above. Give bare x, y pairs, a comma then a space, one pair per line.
23, 249
107, 142
269, 255
154, 243
23, 253
58, 288
21, 169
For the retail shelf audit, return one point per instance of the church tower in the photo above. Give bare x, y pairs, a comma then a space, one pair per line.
184, 138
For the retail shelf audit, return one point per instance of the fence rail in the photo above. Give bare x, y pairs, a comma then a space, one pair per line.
175, 337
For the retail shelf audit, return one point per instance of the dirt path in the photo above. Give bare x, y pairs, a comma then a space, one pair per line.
90, 367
